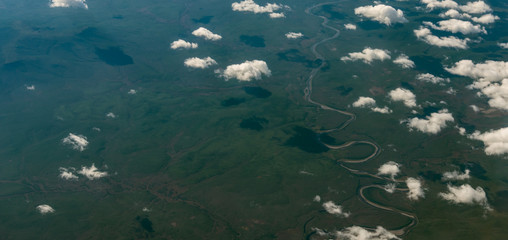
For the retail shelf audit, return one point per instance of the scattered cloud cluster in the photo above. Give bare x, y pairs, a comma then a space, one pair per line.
199, 62
427, 77
382, 13
368, 55
403, 95
359, 233
68, 3
465, 194
456, 26
404, 61
77, 142
425, 35
350, 26
495, 141
251, 6
183, 44
431, 124
390, 168
294, 35
415, 189
206, 34
456, 175
335, 209
246, 71
45, 209
67, 173
92, 172
363, 102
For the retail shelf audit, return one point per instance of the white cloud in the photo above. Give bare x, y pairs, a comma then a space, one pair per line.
382, 13
199, 62
427, 77
368, 55
67, 173
455, 26
317, 198
475, 108
277, 15
92, 172
431, 124
183, 44
31, 87
456, 175
466, 194
383, 110
415, 189
503, 45
246, 71
206, 34
403, 95
496, 141
404, 61
359, 233
68, 3
77, 142
251, 6
425, 35
132, 92
390, 187
452, 13
294, 35
498, 94
110, 115
350, 26
334, 209
364, 102
433, 4
485, 19
477, 7
45, 209
390, 168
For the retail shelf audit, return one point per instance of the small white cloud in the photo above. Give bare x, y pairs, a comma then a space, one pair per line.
294, 35
496, 141
206, 34
96, 129
199, 62
503, 45
334, 209
317, 198
246, 71
132, 92
485, 19
390, 187
31, 87
77, 142
67, 173
383, 110
368, 55
277, 15
251, 6
456, 175
110, 115
452, 13
425, 35
456, 26
465, 194
145, 209
92, 172
68, 3
382, 13
433, 4
183, 44
390, 168
427, 77
350, 26
404, 61
403, 95
451, 91
45, 209
415, 189
477, 7
364, 102
475, 108
431, 124
359, 233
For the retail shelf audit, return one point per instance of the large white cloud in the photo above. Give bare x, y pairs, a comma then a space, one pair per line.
382, 13
455, 26
335, 209
294, 35
466, 194
92, 172
77, 142
199, 62
67, 173
368, 55
415, 188
390, 168
364, 102
477, 7
485, 19
206, 34
359, 233
425, 35
496, 141
498, 94
404, 61
403, 95
456, 175
45, 209
183, 44
431, 124
427, 77
246, 71
68, 3
432, 4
